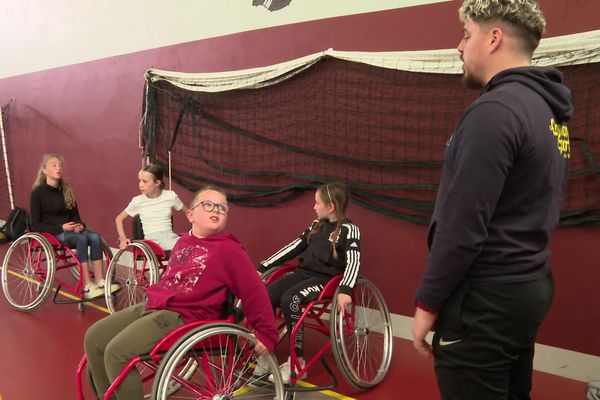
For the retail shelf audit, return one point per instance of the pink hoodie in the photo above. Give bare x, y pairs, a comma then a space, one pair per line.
199, 274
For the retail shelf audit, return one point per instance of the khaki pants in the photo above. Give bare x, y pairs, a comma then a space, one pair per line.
113, 341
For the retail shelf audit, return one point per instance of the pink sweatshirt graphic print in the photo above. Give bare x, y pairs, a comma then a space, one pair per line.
199, 274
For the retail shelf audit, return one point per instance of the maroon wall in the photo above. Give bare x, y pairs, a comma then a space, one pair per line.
90, 113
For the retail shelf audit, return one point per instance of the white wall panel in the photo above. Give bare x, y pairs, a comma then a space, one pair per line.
38, 34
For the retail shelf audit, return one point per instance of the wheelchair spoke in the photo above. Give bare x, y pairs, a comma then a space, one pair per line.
362, 339
28, 272
224, 357
133, 269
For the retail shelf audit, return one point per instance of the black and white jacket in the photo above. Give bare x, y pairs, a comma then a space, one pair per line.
316, 255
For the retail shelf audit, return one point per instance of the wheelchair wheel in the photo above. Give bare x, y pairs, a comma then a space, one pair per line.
224, 360
362, 338
133, 268
28, 272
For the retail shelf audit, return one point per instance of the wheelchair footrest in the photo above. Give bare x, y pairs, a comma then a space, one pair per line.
73, 301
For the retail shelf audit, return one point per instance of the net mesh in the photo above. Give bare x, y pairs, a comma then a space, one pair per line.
380, 131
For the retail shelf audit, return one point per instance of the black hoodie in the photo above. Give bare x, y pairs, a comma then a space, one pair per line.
504, 178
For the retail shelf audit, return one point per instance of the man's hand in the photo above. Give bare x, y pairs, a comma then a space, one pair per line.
422, 324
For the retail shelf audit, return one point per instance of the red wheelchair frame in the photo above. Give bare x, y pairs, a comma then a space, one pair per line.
346, 332
207, 359
30, 267
169, 361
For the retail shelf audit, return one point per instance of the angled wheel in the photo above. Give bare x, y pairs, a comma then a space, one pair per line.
361, 340
133, 268
28, 272
224, 363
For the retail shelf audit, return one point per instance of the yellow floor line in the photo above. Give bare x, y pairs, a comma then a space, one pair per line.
326, 392
68, 295
88, 304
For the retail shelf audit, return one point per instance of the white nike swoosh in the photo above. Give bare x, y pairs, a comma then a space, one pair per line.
443, 342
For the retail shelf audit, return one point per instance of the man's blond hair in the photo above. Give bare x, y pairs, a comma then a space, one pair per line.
524, 16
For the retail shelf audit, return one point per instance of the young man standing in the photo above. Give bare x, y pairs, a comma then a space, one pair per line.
488, 286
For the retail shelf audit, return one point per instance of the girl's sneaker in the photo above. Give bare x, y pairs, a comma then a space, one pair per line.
286, 373
113, 286
92, 291
261, 368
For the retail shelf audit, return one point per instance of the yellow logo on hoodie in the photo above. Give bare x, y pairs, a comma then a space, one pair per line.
561, 132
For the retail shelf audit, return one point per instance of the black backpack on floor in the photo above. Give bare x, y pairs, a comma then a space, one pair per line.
16, 224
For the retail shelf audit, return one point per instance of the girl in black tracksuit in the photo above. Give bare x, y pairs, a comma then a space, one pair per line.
328, 247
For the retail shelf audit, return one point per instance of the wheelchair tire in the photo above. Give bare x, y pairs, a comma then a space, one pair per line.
133, 268
361, 340
28, 272
223, 356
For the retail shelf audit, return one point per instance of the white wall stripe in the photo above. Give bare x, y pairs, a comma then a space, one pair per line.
38, 34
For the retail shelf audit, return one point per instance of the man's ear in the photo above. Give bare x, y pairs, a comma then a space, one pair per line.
496, 35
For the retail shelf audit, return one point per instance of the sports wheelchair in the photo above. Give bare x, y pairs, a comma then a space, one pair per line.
214, 359
200, 360
134, 268
32, 265
360, 338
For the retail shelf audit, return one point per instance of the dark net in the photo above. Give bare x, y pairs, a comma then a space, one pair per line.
380, 131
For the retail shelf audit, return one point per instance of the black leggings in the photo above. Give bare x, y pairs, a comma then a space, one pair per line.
288, 293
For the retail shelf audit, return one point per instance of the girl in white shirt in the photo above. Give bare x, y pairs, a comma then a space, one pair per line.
154, 207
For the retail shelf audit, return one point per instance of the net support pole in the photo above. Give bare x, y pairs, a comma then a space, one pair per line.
170, 180
4, 153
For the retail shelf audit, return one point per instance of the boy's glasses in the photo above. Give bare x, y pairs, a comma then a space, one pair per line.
209, 206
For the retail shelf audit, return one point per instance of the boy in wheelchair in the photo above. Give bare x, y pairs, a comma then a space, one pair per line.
205, 264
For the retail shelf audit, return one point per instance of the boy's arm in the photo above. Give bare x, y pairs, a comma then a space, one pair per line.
249, 288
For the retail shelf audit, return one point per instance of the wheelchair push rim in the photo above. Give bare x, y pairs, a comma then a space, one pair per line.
361, 340
225, 362
28, 272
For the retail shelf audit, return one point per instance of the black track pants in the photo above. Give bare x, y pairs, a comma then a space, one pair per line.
289, 292
484, 340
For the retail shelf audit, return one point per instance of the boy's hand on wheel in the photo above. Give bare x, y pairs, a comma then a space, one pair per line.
260, 348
